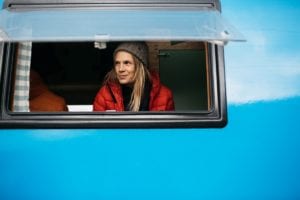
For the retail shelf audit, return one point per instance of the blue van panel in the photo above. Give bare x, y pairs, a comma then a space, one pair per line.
256, 156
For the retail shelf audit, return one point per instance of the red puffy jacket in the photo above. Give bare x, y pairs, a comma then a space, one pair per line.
110, 97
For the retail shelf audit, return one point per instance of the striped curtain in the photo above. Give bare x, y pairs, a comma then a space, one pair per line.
22, 80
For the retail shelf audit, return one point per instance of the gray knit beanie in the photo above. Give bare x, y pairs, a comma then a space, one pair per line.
138, 49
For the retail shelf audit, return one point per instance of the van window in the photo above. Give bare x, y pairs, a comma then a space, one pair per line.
54, 61
72, 73
59, 81
115, 25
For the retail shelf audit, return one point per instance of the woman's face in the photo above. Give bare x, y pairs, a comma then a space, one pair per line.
124, 67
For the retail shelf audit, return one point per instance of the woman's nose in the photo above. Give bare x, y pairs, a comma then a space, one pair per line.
121, 67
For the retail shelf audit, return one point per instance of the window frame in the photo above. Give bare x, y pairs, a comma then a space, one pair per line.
213, 118
216, 117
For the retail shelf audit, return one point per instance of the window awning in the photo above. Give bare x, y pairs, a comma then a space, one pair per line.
115, 25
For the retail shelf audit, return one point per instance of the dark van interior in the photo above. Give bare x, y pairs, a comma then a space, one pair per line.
75, 70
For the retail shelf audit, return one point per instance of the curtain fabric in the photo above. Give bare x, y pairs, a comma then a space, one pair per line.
22, 80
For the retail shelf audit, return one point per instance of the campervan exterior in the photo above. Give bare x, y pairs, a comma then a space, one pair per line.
233, 70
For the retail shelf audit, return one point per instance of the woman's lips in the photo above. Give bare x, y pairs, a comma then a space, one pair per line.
122, 76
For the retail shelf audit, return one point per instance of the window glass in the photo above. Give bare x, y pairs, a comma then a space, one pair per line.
115, 25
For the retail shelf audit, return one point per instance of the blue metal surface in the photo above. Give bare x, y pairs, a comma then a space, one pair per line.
256, 156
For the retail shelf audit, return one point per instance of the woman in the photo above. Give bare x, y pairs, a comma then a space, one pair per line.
129, 86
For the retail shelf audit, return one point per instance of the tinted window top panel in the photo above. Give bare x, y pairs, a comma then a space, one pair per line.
115, 25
